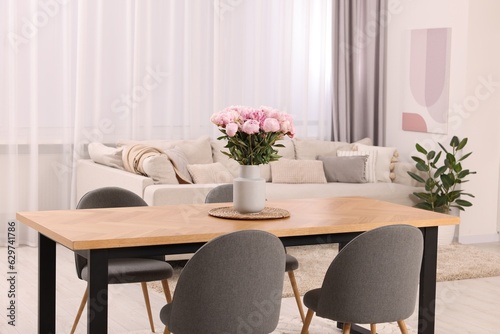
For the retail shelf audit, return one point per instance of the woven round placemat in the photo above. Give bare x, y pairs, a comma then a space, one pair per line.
229, 212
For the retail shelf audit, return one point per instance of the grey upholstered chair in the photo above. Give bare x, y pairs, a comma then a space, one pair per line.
224, 193
128, 270
232, 284
373, 279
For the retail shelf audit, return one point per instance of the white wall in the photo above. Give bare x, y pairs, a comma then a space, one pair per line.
480, 222
472, 114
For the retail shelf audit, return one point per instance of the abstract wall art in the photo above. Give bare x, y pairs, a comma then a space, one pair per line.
427, 81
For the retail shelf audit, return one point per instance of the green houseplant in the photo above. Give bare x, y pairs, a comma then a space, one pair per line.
442, 178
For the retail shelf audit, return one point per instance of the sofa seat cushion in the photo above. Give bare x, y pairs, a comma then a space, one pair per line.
390, 192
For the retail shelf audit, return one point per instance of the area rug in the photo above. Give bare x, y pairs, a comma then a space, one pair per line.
455, 262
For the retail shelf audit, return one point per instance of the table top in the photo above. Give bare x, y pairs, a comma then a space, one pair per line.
178, 224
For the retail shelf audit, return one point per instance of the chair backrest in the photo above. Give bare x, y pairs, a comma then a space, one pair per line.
107, 197
233, 284
374, 278
110, 197
220, 194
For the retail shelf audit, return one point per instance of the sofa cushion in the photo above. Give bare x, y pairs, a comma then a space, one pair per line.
370, 163
160, 169
385, 156
180, 163
210, 173
297, 171
309, 149
345, 169
105, 155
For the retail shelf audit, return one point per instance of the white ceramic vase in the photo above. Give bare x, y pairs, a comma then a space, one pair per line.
249, 192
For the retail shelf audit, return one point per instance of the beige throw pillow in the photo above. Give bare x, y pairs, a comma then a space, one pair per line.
210, 173
160, 169
105, 155
297, 171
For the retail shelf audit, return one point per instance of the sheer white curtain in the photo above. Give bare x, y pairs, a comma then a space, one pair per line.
77, 71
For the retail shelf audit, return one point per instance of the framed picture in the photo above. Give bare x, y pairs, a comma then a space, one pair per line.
427, 81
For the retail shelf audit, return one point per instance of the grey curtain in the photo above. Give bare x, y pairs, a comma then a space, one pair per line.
359, 30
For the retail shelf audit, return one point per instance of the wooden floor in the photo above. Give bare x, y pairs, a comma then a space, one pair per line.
468, 306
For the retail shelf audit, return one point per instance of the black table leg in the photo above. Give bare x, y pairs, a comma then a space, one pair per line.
46, 285
427, 292
97, 304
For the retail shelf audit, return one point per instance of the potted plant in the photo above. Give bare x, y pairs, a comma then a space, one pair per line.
442, 179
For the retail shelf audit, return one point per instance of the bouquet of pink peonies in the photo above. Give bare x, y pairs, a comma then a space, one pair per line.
251, 134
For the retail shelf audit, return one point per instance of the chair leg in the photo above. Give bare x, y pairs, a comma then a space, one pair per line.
148, 305
166, 290
296, 293
80, 310
373, 328
402, 327
307, 321
347, 328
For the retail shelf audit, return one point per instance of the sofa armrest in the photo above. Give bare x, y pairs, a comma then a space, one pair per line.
401, 170
90, 176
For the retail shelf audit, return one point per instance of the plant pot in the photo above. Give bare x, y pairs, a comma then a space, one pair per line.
249, 192
446, 233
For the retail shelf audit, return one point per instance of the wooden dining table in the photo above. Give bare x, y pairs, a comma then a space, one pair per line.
101, 234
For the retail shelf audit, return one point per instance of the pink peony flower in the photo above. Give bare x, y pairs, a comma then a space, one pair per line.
231, 129
250, 127
271, 125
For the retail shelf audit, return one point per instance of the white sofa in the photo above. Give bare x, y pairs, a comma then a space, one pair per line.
105, 168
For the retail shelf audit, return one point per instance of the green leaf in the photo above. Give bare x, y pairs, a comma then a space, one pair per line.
424, 196
425, 206
416, 177
418, 160
436, 159
455, 142
465, 156
462, 144
431, 155
463, 202
440, 171
442, 147
422, 166
447, 180
420, 149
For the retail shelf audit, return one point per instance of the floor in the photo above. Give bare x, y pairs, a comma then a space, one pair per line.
468, 306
